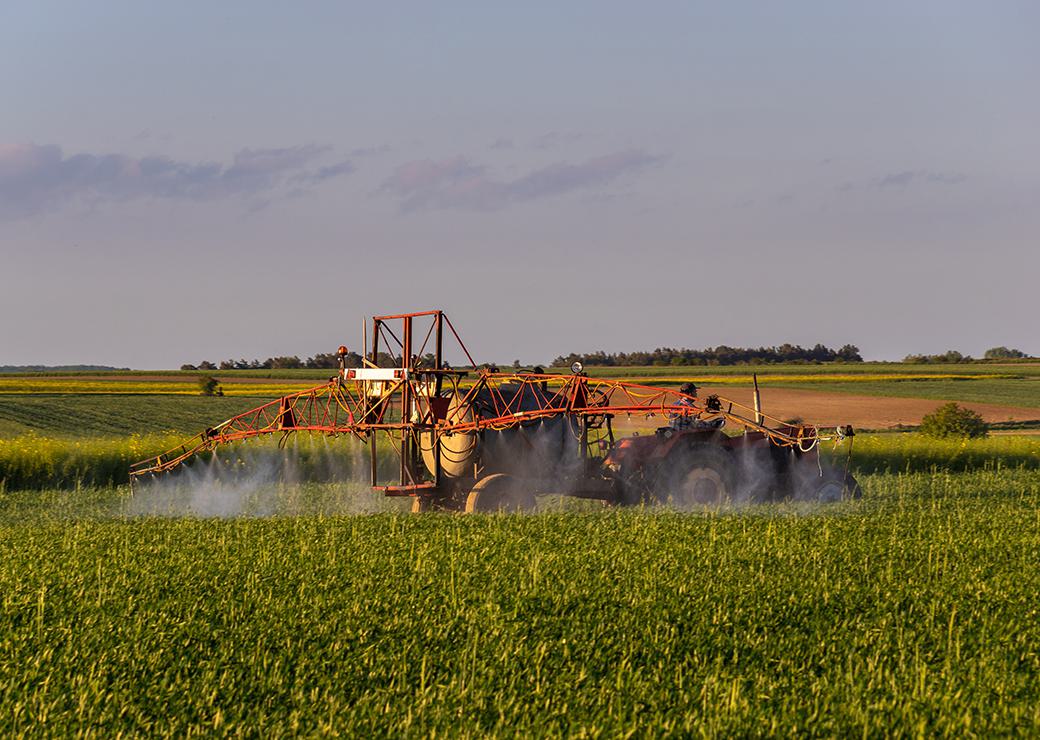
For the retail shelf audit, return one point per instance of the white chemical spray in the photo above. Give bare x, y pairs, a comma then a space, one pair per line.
309, 476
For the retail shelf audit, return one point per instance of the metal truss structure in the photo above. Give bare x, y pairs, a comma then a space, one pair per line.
419, 401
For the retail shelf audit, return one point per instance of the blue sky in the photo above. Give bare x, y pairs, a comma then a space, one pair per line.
203, 180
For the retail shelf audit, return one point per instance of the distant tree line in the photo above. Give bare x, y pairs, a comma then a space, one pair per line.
322, 360
57, 368
953, 356
1003, 353
721, 355
950, 357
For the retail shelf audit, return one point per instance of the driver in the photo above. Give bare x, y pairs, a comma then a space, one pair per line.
687, 422
683, 422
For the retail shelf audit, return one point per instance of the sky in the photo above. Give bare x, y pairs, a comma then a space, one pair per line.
188, 181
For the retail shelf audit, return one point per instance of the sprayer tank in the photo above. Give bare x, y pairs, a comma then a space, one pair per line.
540, 447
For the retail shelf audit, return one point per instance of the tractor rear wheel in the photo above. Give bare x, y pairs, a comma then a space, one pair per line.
499, 492
696, 477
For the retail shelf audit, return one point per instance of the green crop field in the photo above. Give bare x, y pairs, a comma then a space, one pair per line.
124, 403
1010, 385
910, 612
108, 416
186, 386
1023, 391
110, 405
1017, 369
33, 461
1027, 367
188, 376
269, 608
95, 395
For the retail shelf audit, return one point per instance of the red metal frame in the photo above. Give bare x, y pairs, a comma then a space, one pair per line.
414, 403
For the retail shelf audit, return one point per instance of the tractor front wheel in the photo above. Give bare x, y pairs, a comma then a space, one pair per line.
696, 477
499, 492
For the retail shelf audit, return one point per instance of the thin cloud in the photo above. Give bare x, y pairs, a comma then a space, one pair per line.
38, 178
324, 173
460, 184
903, 179
908, 177
369, 151
553, 139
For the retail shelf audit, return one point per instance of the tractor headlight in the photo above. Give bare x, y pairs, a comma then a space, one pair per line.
577, 367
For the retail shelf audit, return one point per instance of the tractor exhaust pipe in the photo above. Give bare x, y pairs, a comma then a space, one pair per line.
758, 401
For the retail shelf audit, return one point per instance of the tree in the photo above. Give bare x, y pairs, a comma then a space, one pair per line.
207, 365
850, 353
323, 360
1003, 353
209, 386
188, 367
285, 363
951, 420
951, 356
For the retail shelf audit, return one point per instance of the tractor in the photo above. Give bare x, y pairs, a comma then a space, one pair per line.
697, 467
480, 440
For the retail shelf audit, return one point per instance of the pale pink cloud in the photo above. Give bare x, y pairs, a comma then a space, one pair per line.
37, 178
458, 183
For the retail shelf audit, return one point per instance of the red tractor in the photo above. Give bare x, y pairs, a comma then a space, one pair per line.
482, 440
696, 467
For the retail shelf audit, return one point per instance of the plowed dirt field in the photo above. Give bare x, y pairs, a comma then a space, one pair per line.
864, 412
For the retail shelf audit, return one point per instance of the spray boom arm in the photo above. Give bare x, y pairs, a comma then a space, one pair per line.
363, 403
422, 396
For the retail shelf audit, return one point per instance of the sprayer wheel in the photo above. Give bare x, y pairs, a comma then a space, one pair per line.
852, 487
696, 477
420, 504
829, 488
849, 485
499, 492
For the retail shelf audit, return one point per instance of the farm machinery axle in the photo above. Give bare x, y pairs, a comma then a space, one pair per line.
483, 440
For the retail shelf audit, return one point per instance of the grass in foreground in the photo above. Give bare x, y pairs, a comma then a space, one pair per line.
911, 612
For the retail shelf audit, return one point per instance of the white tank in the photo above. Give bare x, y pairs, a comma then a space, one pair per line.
538, 448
